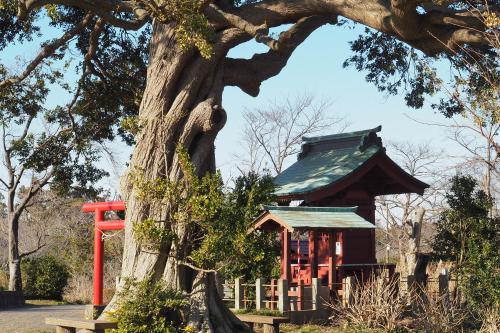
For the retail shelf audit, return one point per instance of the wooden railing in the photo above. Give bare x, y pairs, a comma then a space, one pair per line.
279, 295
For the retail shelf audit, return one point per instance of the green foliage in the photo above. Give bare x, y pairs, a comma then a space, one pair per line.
190, 201
45, 278
218, 220
145, 306
468, 236
192, 29
152, 234
70, 156
13, 30
466, 207
131, 125
228, 244
252, 254
264, 312
393, 66
481, 265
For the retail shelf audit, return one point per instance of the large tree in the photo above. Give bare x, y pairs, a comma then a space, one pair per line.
187, 69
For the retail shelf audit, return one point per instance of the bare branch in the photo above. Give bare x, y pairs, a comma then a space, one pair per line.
274, 133
35, 187
102, 8
48, 50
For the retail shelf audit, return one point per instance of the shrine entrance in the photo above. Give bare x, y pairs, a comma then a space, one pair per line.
312, 243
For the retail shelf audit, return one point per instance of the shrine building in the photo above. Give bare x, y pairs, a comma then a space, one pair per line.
326, 207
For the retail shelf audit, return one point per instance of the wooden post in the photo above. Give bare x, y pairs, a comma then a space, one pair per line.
411, 283
411, 289
260, 295
238, 294
348, 284
274, 286
331, 260
283, 301
313, 254
315, 290
300, 294
285, 254
444, 283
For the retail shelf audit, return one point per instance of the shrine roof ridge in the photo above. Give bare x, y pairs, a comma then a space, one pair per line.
312, 209
340, 136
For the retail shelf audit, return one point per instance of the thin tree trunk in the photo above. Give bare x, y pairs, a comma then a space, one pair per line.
15, 281
181, 105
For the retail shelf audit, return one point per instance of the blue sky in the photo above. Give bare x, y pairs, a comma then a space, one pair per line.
316, 68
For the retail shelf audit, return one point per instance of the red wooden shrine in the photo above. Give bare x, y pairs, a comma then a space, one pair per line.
101, 225
333, 172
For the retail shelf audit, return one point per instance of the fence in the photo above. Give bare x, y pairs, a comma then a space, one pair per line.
278, 295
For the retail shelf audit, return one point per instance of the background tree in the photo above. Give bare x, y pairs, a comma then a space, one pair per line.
469, 237
473, 104
188, 68
408, 218
255, 254
56, 225
39, 148
274, 132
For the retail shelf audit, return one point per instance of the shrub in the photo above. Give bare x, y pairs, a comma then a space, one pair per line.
149, 307
440, 314
375, 304
79, 289
45, 278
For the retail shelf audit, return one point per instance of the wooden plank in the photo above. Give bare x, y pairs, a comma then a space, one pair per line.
258, 319
83, 324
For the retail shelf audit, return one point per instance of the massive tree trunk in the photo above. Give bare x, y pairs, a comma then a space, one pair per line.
181, 104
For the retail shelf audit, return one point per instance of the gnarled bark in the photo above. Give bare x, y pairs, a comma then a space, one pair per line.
181, 104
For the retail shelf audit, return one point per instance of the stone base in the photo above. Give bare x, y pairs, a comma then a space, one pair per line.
11, 298
93, 311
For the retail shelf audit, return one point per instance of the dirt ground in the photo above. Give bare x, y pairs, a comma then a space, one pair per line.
31, 318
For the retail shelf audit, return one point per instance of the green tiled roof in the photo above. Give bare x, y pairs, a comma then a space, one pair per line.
320, 217
320, 169
344, 135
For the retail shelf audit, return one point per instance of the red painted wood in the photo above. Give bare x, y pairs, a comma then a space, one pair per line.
98, 259
285, 254
110, 225
313, 254
91, 207
339, 258
101, 225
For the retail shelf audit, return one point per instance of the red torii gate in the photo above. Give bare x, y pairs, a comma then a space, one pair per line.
101, 225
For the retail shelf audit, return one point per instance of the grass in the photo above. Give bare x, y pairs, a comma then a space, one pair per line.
309, 328
264, 312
